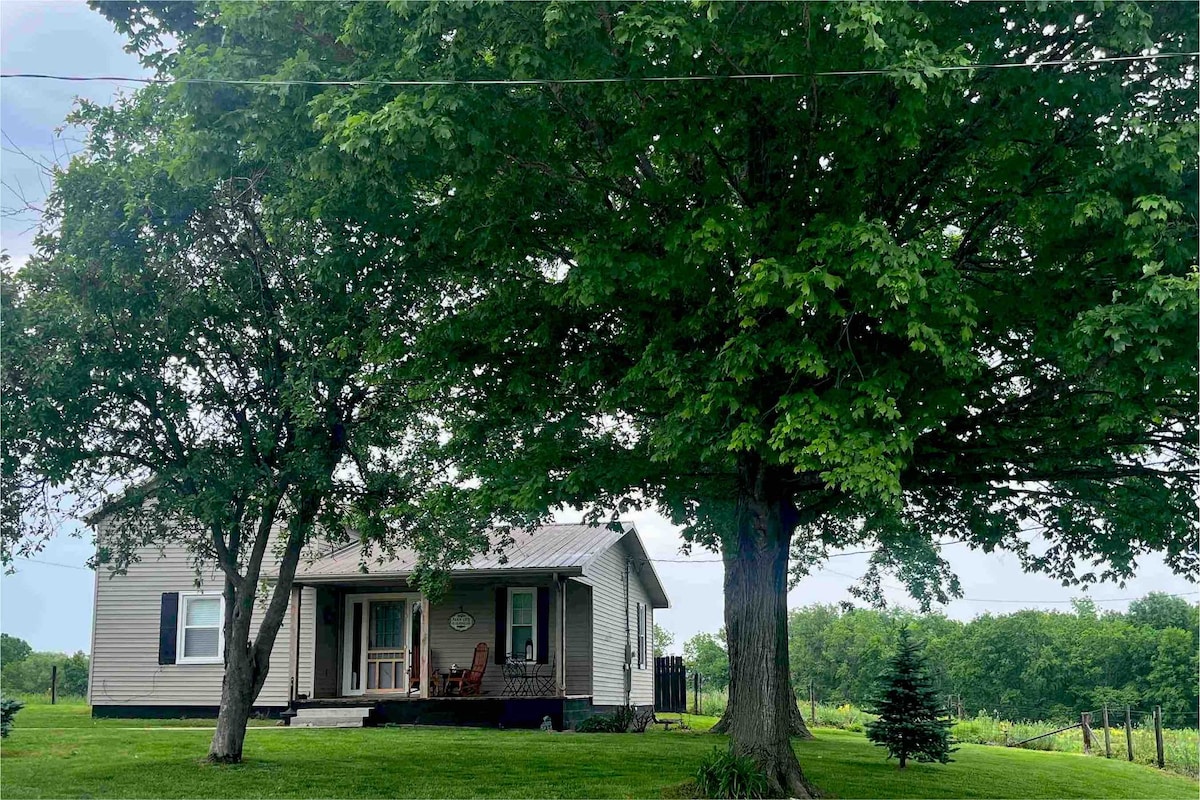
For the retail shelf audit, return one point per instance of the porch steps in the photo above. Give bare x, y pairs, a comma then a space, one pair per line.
330, 717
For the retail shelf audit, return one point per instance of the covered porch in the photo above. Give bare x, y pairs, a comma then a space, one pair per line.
381, 642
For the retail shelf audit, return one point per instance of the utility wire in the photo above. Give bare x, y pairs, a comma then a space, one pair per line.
831, 555
52, 563
840, 574
986, 600
1084, 597
769, 76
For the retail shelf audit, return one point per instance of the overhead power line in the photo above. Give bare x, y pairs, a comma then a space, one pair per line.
831, 555
69, 566
840, 574
1085, 597
986, 600
754, 76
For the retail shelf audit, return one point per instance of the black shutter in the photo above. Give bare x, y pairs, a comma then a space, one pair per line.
641, 636
168, 627
501, 624
543, 625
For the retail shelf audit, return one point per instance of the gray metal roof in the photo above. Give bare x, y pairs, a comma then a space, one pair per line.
545, 548
565, 548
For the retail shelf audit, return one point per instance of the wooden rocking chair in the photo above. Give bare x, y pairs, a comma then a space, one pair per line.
470, 682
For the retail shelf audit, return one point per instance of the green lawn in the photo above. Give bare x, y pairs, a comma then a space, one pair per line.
61, 752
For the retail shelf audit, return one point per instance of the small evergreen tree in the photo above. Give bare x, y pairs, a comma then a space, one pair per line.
911, 723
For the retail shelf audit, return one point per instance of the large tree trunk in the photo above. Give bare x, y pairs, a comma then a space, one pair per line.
238, 692
247, 663
245, 670
759, 716
799, 728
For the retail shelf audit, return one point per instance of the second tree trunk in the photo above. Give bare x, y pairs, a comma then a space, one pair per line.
762, 706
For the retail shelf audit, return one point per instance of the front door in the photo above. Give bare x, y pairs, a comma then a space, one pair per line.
377, 657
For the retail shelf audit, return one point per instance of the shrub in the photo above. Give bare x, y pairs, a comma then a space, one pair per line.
621, 720
600, 723
8, 712
722, 774
845, 717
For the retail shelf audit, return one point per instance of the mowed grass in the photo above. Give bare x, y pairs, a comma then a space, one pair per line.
74, 712
61, 753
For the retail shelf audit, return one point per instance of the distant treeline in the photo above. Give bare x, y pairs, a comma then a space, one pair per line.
1024, 665
24, 671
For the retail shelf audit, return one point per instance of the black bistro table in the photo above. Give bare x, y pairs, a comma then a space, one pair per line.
442, 687
527, 678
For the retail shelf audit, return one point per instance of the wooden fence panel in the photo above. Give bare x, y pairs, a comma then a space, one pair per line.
670, 685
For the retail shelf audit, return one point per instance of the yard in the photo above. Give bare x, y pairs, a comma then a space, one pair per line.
61, 752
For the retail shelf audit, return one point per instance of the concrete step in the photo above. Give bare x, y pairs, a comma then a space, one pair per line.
334, 711
327, 722
330, 717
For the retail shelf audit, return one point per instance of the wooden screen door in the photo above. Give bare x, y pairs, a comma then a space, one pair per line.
377, 658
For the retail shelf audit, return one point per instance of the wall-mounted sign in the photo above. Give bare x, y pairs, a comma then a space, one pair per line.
461, 621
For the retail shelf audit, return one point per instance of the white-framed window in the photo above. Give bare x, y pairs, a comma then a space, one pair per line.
643, 653
201, 617
522, 624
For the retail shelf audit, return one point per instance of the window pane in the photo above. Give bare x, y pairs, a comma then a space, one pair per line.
206, 611
520, 635
385, 675
201, 642
522, 608
386, 624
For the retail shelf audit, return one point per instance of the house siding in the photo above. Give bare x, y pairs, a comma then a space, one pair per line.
125, 671
579, 638
478, 598
124, 662
609, 614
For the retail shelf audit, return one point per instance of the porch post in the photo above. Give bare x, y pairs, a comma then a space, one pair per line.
425, 667
560, 657
294, 645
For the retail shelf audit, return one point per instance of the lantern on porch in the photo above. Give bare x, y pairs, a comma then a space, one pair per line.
529, 650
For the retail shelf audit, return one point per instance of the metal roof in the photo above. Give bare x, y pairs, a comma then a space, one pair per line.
566, 548
545, 547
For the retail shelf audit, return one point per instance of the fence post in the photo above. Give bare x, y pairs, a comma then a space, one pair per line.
696, 693
1085, 722
1128, 734
1158, 739
812, 701
1107, 741
53, 684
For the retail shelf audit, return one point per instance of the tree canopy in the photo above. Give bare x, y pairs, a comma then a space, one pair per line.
13, 649
198, 364
893, 295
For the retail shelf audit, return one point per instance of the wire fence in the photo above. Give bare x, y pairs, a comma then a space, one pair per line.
1010, 724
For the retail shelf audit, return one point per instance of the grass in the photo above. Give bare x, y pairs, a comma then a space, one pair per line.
41, 759
74, 712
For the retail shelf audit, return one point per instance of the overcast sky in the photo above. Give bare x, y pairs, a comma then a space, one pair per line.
49, 602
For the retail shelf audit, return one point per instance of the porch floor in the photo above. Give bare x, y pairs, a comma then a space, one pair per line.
373, 699
488, 711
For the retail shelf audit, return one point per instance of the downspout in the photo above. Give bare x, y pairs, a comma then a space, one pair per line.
628, 645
